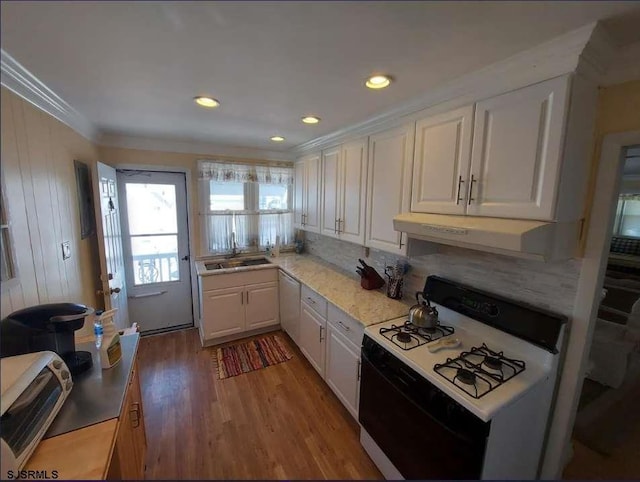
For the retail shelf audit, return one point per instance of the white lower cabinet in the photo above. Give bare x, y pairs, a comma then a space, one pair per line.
330, 339
261, 305
236, 303
223, 311
312, 336
344, 342
343, 369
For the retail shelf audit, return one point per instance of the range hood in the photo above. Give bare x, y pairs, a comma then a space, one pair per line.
514, 237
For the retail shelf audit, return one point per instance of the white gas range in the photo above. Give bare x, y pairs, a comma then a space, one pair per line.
478, 410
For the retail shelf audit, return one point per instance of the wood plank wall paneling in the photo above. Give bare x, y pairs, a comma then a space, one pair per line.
39, 185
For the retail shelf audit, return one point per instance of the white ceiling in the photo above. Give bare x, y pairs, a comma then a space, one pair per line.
132, 68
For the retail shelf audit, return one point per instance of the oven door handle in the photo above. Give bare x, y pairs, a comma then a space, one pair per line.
460, 436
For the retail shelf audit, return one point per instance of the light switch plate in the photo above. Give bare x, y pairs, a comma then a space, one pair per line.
66, 249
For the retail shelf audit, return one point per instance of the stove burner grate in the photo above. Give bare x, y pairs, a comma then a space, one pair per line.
480, 370
466, 376
492, 362
409, 336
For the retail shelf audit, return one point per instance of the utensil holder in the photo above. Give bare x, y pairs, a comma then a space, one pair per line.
394, 288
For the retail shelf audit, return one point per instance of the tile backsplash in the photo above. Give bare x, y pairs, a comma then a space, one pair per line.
550, 285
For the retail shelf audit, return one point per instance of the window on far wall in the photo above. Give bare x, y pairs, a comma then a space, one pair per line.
246, 204
7, 268
627, 220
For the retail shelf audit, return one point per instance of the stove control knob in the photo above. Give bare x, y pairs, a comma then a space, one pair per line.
491, 309
57, 364
65, 374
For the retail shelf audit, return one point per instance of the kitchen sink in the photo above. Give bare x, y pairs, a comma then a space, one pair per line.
236, 263
255, 262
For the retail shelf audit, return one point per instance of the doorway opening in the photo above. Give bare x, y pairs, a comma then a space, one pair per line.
606, 433
155, 239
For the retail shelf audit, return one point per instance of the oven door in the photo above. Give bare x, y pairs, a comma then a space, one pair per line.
28, 417
395, 406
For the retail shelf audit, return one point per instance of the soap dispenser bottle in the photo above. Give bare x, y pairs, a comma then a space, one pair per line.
111, 349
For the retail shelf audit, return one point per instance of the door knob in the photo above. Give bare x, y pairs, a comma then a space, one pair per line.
185, 258
114, 290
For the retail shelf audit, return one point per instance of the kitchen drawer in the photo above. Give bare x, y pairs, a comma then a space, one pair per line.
314, 300
220, 281
352, 329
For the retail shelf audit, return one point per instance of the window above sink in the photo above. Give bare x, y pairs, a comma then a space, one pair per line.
245, 206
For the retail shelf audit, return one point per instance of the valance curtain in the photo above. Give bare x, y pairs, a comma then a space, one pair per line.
629, 197
233, 172
252, 228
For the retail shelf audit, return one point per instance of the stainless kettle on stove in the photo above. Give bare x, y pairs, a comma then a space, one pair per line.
423, 315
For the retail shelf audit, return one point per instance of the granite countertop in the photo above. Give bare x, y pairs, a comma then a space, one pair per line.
366, 306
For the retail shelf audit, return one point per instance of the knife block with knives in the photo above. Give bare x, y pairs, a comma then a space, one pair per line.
369, 277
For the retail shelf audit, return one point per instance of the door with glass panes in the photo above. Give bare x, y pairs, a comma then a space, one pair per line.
156, 249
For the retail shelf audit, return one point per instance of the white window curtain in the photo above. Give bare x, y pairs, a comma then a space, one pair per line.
233, 172
253, 228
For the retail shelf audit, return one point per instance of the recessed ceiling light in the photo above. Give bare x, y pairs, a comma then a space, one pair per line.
378, 81
311, 119
206, 101
277, 138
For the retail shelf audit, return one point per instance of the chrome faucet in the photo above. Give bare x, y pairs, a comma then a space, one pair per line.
234, 246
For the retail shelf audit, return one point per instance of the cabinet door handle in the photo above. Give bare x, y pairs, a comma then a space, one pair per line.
340, 221
247, 297
344, 327
400, 244
135, 411
335, 230
321, 330
311, 300
458, 198
471, 189
358, 373
242, 297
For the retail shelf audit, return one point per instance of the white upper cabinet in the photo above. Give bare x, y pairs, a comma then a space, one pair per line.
504, 164
330, 191
389, 187
307, 193
517, 151
441, 162
312, 212
344, 175
298, 193
351, 219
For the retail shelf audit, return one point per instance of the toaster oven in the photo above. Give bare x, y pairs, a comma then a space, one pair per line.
34, 387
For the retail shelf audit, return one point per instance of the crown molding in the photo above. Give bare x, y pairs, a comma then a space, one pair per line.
191, 147
15, 77
559, 56
597, 55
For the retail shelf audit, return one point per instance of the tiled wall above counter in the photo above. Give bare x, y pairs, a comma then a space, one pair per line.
549, 285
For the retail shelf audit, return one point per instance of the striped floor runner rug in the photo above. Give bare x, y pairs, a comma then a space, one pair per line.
252, 355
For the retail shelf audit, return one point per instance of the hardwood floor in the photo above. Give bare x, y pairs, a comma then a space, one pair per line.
281, 422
